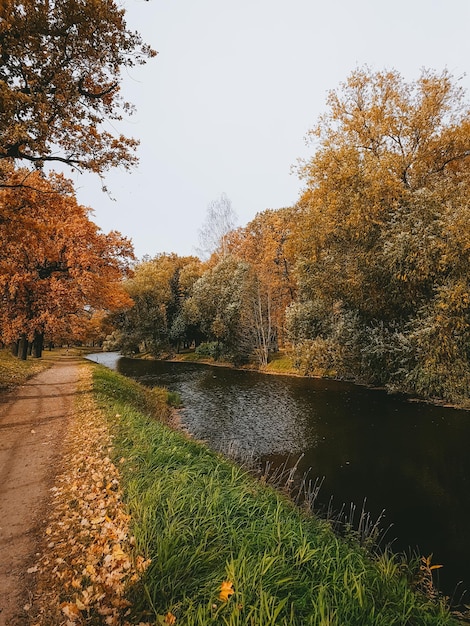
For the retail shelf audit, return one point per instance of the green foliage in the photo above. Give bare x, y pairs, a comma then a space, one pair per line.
318, 357
386, 354
203, 521
304, 320
210, 349
156, 322
216, 306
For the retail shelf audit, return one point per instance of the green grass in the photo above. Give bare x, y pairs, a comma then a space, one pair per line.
202, 520
281, 363
14, 371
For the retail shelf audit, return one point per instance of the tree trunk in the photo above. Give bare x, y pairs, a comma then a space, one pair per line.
23, 348
14, 348
38, 345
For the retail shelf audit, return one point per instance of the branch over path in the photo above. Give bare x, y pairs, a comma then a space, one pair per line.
33, 423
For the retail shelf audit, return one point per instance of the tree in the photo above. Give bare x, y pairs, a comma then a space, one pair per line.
216, 303
376, 234
220, 220
258, 332
60, 76
56, 266
158, 289
264, 243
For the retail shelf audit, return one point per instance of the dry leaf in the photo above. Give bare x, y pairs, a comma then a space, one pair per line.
70, 610
226, 590
89, 547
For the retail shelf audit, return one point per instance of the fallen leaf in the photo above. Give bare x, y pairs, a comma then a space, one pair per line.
70, 610
226, 590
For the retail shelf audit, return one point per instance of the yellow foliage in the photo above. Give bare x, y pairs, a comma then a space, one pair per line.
226, 590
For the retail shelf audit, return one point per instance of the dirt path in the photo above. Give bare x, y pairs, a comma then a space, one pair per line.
33, 423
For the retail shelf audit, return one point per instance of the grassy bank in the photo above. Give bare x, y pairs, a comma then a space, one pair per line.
227, 550
14, 372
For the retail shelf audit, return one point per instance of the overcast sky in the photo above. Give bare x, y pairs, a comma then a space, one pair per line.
226, 104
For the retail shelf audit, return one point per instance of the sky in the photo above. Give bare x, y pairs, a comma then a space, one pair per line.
226, 104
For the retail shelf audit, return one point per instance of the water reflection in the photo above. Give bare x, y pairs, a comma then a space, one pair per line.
410, 459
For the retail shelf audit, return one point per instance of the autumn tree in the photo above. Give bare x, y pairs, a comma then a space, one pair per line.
158, 289
216, 303
60, 77
376, 238
257, 333
93, 327
220, 220
264, 243
56, 266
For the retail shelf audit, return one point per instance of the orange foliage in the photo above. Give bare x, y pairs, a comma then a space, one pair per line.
56, 266
264, 244
226, 590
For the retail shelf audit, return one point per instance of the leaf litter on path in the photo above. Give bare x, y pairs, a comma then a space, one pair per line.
87, 562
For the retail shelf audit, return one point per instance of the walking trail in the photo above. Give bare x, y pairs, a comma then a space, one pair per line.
33, 423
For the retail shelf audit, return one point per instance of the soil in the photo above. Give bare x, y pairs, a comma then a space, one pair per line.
33, 422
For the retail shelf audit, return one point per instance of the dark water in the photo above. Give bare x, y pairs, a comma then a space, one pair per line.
409, 458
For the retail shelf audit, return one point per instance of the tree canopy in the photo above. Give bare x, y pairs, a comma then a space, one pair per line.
56, 266
60, 77
158, 289
383, 232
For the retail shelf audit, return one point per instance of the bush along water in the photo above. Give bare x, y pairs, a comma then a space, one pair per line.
227, 549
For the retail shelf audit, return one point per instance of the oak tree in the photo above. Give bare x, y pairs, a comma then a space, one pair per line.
60, 77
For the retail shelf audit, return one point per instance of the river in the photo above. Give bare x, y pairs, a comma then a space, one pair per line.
370, 448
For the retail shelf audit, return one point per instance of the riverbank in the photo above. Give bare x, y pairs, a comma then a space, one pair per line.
225, 549
282, 365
